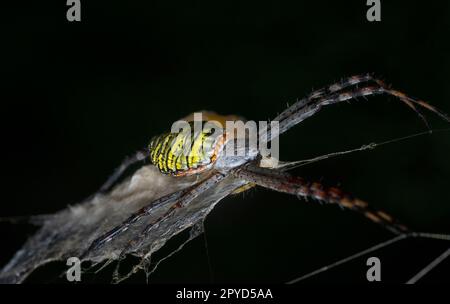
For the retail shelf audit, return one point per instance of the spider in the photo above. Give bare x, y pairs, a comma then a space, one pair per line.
254, 169
189, 173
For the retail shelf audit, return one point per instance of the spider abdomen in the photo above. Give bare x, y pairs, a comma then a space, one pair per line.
188, 152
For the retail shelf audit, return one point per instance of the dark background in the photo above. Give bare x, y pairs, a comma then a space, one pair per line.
85, 94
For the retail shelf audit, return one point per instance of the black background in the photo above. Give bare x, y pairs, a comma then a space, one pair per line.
85, 94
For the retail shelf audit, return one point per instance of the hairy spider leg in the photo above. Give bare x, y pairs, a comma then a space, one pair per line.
368, 90
330, 89
184, 201
126, 163
286, 183
179, 199
307, 107
144, 211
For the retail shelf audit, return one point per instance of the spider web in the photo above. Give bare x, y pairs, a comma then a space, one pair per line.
69, 232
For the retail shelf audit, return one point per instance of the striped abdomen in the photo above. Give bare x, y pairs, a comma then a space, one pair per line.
187, 152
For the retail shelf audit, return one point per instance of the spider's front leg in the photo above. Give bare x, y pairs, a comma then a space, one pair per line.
286, 183
345, 90
326, 91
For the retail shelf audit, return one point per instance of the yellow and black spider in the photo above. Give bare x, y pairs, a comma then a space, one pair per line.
217, 165
190, 173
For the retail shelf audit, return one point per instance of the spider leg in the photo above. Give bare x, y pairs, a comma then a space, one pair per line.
315, 106
307, 107
110, 235
126, 163
325, 91
178, 199
141, 236
184, 201
283, 182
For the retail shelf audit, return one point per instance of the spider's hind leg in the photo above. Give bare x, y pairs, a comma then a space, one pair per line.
286, 183
120, 170
175, 200
182, 202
